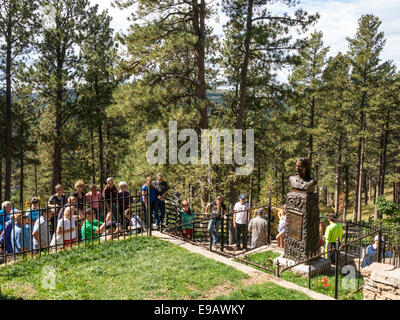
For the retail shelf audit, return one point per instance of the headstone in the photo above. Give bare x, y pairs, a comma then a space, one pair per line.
302, 210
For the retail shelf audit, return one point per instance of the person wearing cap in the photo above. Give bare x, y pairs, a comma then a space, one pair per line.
371, 252
34, 210
218, 209
258, 227
187, 217
41, 230
241, 221
333, 232
92, 227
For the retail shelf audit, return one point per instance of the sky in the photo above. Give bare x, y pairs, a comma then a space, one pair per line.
339, 19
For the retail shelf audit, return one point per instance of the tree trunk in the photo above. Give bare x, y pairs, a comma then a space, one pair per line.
244, 66
251, 192
359, 170
325, 197
36, 179
258, 181
243, 79
57, 157
385, 139
310, 139
365, 188
108, 153
1, 179
93, 155
346, 191
283, 185
21, 190
337, 174
8, 116
101, 155
200, 90
359, 198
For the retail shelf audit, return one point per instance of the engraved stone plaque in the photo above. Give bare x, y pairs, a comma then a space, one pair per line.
295, 225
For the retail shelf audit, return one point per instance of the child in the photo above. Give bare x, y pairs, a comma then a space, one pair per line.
280, 241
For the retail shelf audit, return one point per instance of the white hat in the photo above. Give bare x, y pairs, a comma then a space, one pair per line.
377, 238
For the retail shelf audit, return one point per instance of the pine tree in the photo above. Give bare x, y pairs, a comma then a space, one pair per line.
57, 72
364, 51
18, 24
306, 82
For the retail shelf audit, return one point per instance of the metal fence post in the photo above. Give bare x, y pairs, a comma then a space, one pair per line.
222, 231
148, 211
269, 221
277, 269
379, 249
337, 268
345, 241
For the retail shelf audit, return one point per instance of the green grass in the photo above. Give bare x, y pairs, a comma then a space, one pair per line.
265, 291
136, 268
265, 258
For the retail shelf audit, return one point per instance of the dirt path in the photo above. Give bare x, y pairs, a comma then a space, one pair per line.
256, 277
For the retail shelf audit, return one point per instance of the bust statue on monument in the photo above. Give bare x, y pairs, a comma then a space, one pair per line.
302, 218
302, 182
302, 233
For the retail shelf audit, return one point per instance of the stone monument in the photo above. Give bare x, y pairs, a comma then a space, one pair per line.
302, 222
302, 210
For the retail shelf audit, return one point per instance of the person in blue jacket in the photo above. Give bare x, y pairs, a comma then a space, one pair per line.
372, 251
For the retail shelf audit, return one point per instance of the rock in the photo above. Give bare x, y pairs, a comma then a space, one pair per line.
369, 295
390, 295
316, 267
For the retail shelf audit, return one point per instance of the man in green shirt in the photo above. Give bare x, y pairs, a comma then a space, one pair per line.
333, 232
92, 228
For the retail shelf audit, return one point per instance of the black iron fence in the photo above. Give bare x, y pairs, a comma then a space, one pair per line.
45, 228
71, 222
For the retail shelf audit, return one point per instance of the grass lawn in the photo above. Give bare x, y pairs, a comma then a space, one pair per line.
265, 258
265, 291
136, 268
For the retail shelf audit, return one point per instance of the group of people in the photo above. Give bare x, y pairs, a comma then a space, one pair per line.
242, 222
81, 216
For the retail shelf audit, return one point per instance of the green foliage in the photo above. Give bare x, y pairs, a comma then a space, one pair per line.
388, 208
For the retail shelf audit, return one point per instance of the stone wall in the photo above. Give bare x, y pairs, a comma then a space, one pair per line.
381, 282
